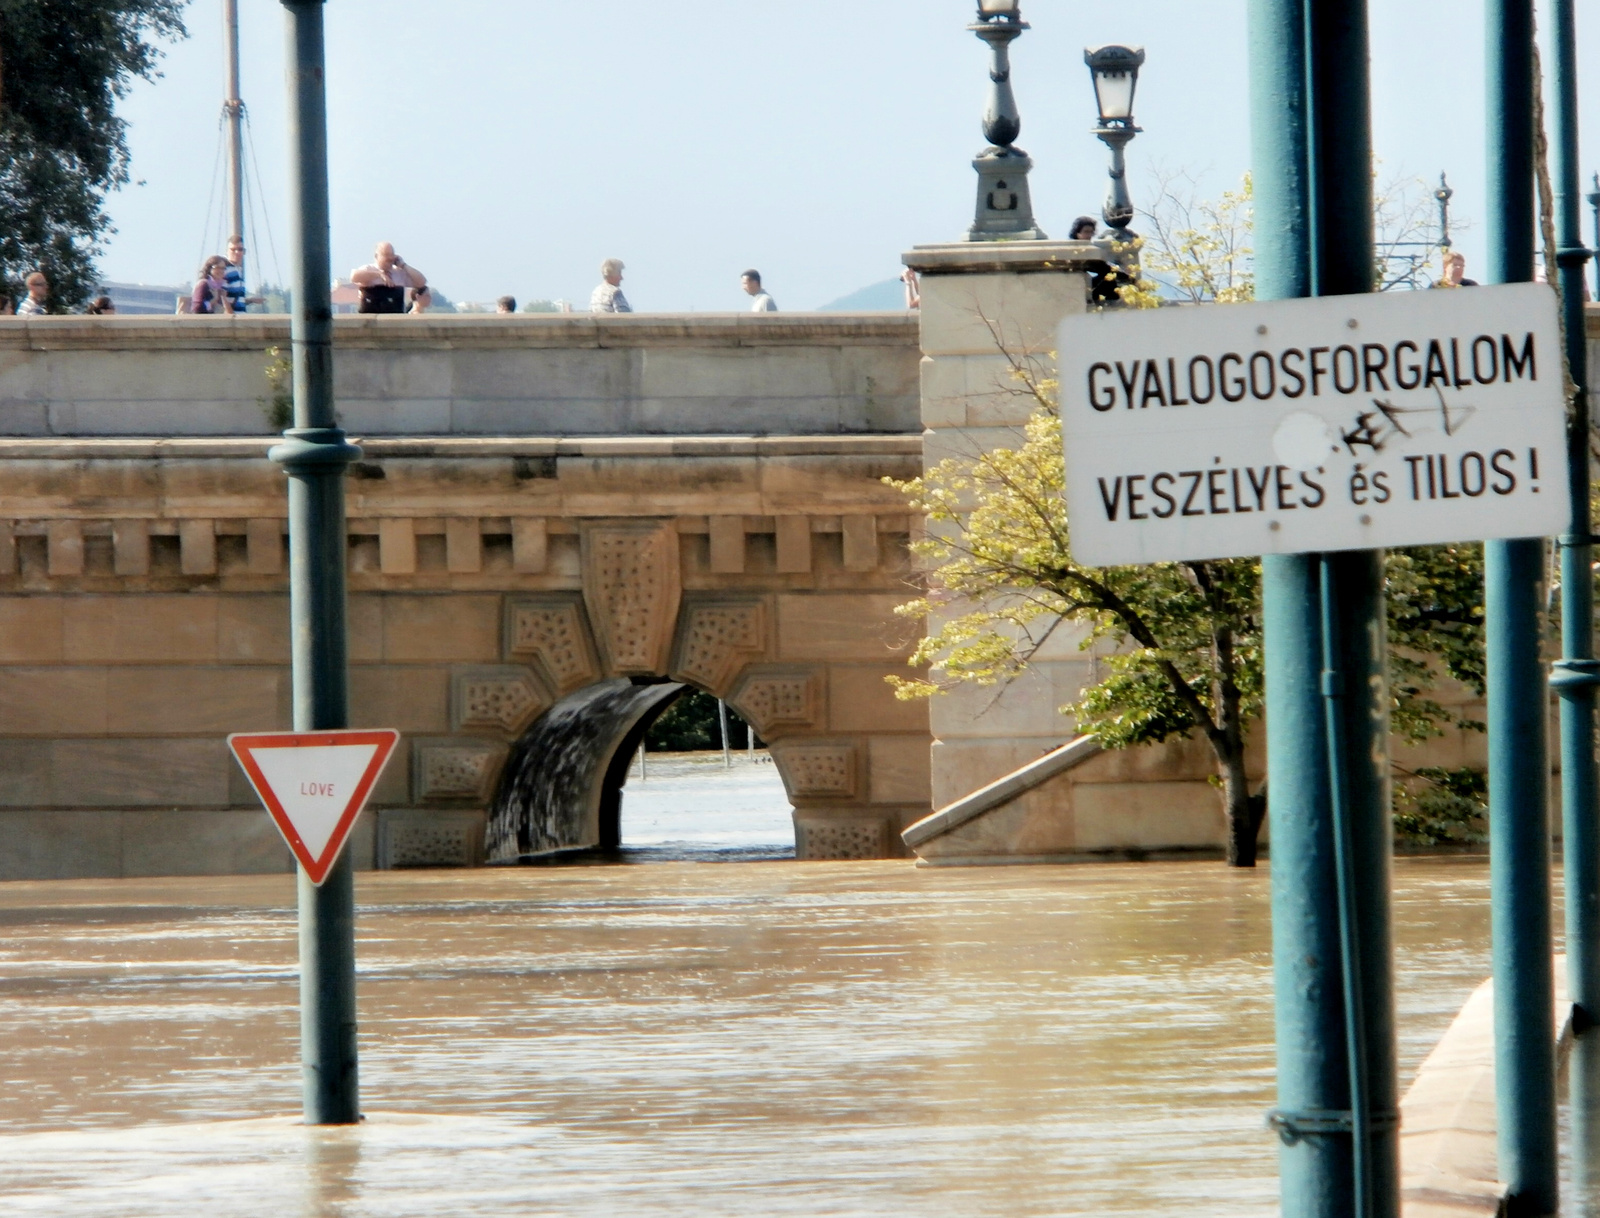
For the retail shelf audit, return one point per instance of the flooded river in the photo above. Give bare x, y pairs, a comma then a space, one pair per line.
679, 1038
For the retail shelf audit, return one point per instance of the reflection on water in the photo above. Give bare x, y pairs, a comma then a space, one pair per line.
679, 1039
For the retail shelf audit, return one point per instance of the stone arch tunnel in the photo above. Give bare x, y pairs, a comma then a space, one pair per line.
561, 788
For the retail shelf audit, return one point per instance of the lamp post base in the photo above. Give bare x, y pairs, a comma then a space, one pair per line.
1005, 208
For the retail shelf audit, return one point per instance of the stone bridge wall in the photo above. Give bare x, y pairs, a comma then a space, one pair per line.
143, 615
471, 375
143, 607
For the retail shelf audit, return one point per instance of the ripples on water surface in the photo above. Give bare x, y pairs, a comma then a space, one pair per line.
679, 1039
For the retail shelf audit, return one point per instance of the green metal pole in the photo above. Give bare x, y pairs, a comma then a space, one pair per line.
1575, 674
1327, 702
1577, 671
1519, 822
314, 455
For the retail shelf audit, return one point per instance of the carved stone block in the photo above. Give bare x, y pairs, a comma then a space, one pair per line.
821, 769
130, 547
264, 552
552, 634
718, 638
442, 838
455, 769
197, 547
64, 552
631, 585
503, 699
841, 839
774, 699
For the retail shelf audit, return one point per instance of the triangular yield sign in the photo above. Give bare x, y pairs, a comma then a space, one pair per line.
314, 784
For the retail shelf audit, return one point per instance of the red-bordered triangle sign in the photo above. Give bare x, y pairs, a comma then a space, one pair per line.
314, 784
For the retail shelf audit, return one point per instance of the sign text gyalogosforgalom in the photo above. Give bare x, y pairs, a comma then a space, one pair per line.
1333, 423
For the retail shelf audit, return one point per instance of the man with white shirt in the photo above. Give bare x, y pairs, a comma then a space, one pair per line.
608, 297
384, 280
764, 303
38, 292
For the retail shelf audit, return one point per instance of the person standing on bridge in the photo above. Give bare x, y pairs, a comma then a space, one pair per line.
38, 292
233, 277
751, 282
211, 289
384, 280
608, 297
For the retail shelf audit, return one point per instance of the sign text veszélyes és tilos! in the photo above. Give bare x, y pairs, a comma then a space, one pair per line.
1331, 423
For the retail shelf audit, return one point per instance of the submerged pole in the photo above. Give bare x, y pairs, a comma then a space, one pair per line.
1519, 825
1327, 702
314, 455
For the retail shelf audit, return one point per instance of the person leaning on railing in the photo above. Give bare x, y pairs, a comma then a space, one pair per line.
211, 289
384, 281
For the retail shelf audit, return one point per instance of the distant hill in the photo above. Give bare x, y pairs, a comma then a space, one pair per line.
888, 295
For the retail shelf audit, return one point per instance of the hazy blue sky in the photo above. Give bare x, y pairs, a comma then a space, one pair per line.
509, 145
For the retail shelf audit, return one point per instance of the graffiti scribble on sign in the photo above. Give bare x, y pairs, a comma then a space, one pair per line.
1374, 429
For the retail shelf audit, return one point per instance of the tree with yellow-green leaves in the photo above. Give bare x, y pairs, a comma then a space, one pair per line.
1186, 636
1186, 644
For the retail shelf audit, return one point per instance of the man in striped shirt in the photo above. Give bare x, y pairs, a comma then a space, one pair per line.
38, 292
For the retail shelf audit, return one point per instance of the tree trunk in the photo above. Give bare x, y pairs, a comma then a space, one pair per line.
1244, 821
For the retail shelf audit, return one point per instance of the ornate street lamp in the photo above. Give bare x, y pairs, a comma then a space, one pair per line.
1116, 75
1442, 196
1005, 210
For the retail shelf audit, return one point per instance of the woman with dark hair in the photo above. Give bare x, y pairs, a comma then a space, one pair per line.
1083, 228
101, 306
211, 291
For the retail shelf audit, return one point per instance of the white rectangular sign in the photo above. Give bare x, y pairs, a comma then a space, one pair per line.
1332, 423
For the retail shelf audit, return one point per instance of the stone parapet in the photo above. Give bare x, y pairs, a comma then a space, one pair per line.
1007, 257
550, 375
463, 331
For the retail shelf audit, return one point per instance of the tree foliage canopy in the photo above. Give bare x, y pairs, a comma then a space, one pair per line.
63, 66
1185, 638
1181, 643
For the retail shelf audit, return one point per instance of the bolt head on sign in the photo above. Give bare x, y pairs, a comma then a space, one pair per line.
1329, 423
314, 784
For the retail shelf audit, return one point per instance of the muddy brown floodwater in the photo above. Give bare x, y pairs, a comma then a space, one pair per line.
679, 1038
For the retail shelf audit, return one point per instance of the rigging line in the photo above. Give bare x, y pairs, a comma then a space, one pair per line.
248, 220
254, 204
216, 174
266, 219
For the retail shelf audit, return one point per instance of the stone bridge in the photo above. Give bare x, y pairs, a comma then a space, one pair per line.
556, 524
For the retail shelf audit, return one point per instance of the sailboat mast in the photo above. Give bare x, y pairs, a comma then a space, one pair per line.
233, 110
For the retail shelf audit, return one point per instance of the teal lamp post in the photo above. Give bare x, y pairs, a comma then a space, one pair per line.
314, 454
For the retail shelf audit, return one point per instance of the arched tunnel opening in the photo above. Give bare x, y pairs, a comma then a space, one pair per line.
560, 795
